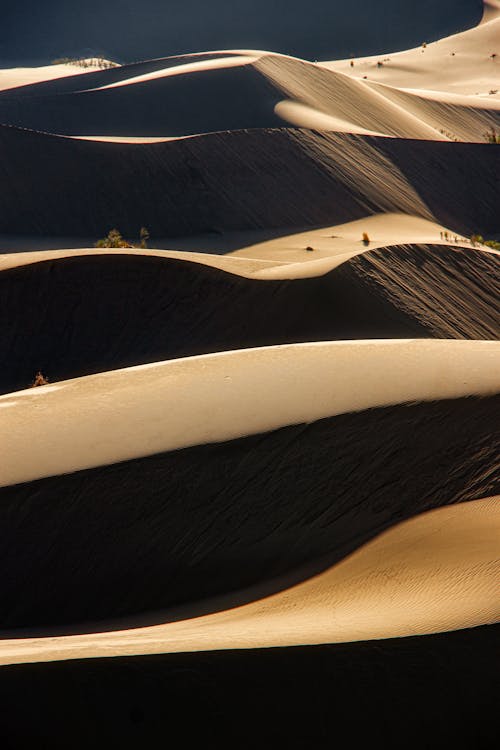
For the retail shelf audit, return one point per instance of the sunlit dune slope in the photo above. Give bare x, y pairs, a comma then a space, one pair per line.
81, 313
215, 517
241, 90
465, 64
432, 573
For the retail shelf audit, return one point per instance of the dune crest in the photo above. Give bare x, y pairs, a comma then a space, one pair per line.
433, 573
170, 405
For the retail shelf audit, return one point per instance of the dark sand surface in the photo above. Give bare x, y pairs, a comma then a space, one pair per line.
434, 691
185, 525
81, 315
251, 179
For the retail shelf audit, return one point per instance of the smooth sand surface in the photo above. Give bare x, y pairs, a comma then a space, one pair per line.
206, 399
436, 572
242, 89
333, 244
461, 64
11, 78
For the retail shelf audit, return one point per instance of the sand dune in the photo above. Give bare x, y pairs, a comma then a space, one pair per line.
13, 78
241, 180
263, 247
435, 572
464, 63
244, 90
245, 392
268, 509
273, 433
96, 312
316, 691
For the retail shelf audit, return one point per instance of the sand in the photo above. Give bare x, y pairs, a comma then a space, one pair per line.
166, 406
263, 511
12, 78
288, 433
103, 311
461, 64
433, 573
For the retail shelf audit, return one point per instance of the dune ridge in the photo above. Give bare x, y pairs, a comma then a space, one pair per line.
103, 311
258, 179
131, 698
218, 91
269, 509
432, 573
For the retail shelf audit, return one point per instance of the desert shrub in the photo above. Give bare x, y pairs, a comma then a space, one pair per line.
115, 239
309, 249
491, 136
365, 239
84, 62
144, 237
493, 244
39, 380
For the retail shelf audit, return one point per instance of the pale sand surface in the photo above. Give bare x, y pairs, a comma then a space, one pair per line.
436, 572
460, 64
239, 266
230, 61
139, 411
13, 77
259, 254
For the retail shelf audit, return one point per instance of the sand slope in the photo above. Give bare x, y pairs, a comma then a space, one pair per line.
463, 64
96, 312
241, 180
254, 507
433, 573
218, 91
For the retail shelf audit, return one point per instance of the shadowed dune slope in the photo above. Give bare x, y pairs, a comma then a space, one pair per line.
257, 179
79, 546
85, 314
293, 696
81, 81
213, 92
213, 100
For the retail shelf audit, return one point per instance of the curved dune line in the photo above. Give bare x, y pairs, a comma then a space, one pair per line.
139, 411
460, 64
281, 256
184, 68
435, 572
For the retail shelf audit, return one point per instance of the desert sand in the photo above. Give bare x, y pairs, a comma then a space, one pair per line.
266, 443
436, 572
218, 397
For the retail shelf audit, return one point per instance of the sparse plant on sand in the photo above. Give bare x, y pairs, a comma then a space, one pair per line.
449, 135
478, 239
144, 237
309, 249
365, 239
114, 239
39, 380
491, 136
85, 62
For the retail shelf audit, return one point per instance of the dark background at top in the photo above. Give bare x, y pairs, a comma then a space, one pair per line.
37, 31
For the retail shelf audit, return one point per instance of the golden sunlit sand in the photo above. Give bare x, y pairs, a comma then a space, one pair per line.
249, 386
